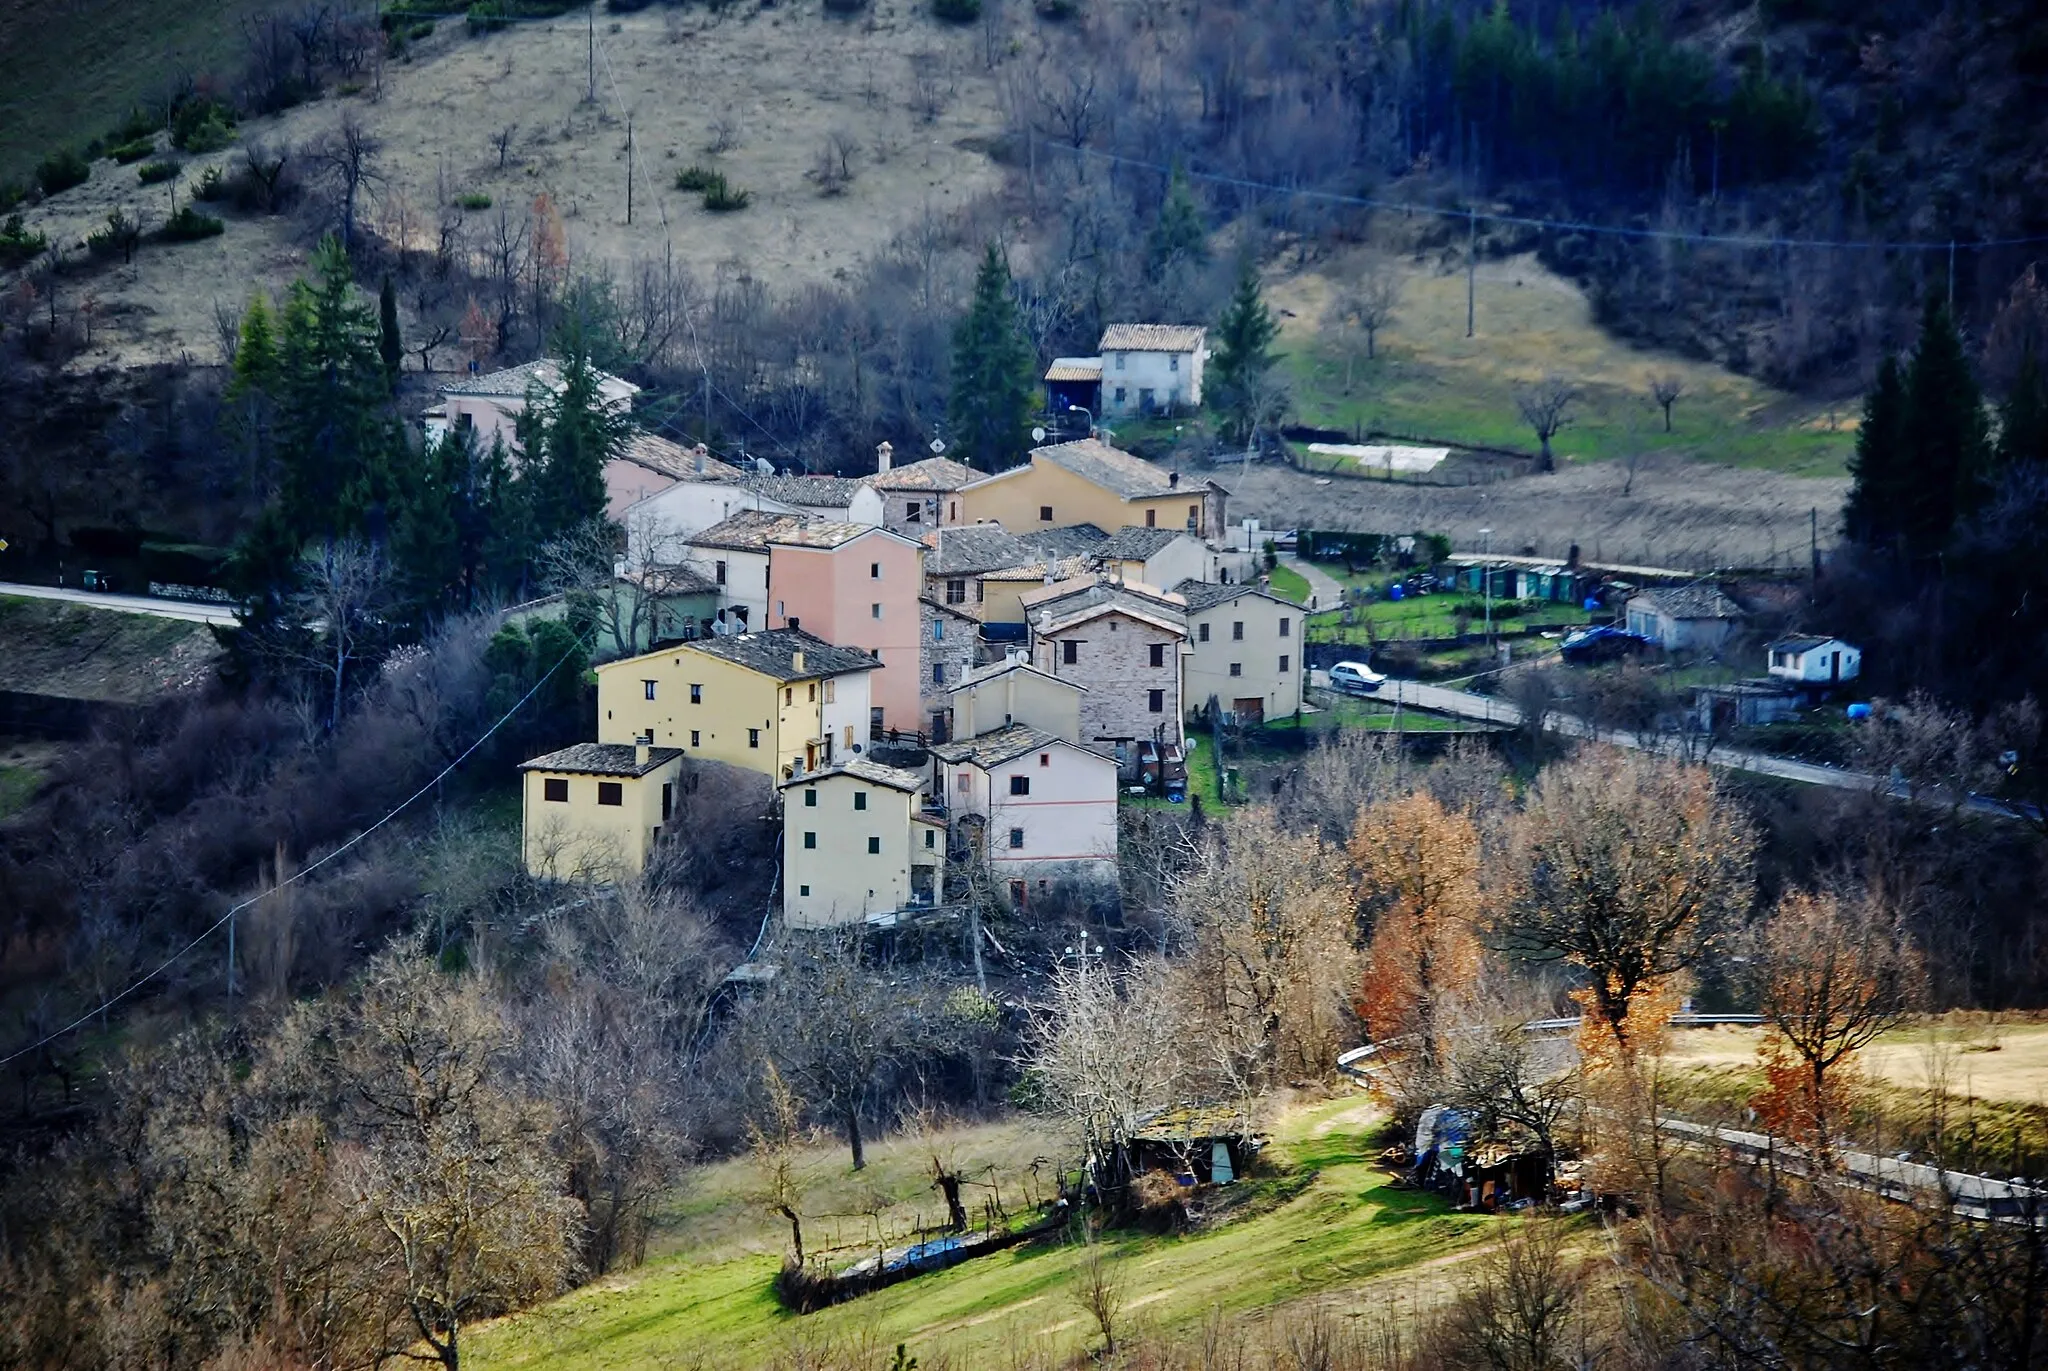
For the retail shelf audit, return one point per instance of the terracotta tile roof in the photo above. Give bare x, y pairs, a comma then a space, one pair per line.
748, 530
1152, 338
773, 653
1068, 540
1059, 568
1202, 595
1074, 369
829, 535
603, 759
990, 672
910, 782
811, 492
544, 372
1132, 478
972, 548
1133, 543
1085, 602
933, 473
1689, 602
665, 458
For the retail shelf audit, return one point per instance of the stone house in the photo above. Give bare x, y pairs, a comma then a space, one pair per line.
1125, 646
948, 644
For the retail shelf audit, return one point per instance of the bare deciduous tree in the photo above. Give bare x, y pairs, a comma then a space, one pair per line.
349, 155
1099, 1290
1366, 308
1546, 408
1667, 389
501, 142
342, 589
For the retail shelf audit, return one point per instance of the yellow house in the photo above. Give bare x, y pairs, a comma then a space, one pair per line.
856, 843
594, 811
775, 702
1013, 691
1244, 651
1090, 482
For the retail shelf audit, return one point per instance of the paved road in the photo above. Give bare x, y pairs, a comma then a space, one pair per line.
1324, 590
192, 611
1467, 705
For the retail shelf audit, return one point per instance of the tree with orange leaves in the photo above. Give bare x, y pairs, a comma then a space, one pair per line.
1632, 867
1418, 882
1833, 972
550, 257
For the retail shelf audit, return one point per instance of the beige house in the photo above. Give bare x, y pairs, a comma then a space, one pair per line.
1124, 644
1156, 556
777, 703
1011, 692
1147, 368
1090, 482
919, 496
856, 843
594, 811
488, 407
1244, 651
1037, 810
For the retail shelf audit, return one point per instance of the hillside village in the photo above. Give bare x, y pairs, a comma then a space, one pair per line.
1042, 684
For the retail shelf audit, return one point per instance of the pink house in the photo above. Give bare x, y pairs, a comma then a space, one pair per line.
856, 585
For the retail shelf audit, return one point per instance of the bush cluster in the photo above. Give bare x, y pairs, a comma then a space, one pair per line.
152, 173
473, 199
119, 236
957, 11
202, 125
136, 126
189, 225
213, 185
124, 153
697, 179
62, 170
18, 243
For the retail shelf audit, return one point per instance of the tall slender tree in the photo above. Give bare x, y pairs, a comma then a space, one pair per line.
1244, 355
565, 437
994, 379
335, 418
2023, 422
1881, 465
1946, 434
390, 346
1178, 236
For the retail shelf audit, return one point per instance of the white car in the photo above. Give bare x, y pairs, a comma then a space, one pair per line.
1355, 678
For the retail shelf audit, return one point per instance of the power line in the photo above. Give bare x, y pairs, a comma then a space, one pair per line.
1562, 225
293, 879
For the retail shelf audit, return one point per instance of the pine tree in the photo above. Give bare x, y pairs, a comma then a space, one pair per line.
256, 359
1946, 436
994, 381
1882, 464
390, 346
333, 400
565, 439
1179, 235
2023, 423
1244, 359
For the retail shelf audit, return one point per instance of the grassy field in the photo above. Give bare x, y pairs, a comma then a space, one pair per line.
69, 72
709, 1297
1289, 584
1434, 616
1430, 380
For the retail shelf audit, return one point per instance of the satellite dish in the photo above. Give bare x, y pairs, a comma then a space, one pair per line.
1037, 435
938, 446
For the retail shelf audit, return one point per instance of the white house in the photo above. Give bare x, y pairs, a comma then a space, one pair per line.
1814, 660
489, 406
1683, 618
1156, 556
648, 465
834, 499
1151, 367
1039, 810
732, 554
1245, 651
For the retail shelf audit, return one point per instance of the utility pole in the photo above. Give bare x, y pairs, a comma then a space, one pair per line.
1951, 277
629, 169
590, 57
1813, 540
1486, 579
1471, 265
231, 956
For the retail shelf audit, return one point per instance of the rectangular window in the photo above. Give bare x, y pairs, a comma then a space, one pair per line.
753, 737
1151, 518
1070, 652
930, 838
874, 611
611, 793
696, 695
555, 789
913, 513
1237, 668
874, 571
1017, 894
810, 797
1020, 785
1120, 367
829, 692
874, 846
789, 695
1144, 397
1156, 701
1159, 654
1045, 514
1045, 759
1202, 633
1237, 631
693, 738
810, 840
1194, 517
1120, 394
860, 799
1016, 838
804, 891
648, 686
718, 572
1283, 664
1285, 624
938, 673
956, 592
938, 630
980, 591
1173, 362
963, 783
668, 800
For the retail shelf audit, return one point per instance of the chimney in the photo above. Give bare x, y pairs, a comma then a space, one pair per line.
641, 747
1173, 480
703, 455
884, 453
796, 660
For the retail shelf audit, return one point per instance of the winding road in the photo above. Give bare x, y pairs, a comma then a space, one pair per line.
192, 611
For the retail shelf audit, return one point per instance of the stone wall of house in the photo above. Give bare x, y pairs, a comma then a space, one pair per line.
951, 652
1113, 661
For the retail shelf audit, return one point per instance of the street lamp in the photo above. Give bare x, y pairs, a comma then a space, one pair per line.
1083, 409
1486, 579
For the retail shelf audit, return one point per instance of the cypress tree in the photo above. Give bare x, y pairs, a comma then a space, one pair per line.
1946, 436
332, 399
1882, 464
390, 347
1179, 235
2023, 423
565, 439
256, 359
995, 385
1244, 354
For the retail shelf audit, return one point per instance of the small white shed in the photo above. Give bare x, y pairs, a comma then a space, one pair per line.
1813, 660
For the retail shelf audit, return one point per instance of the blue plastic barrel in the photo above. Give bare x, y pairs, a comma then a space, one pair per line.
1859, 711
1394, 592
